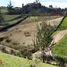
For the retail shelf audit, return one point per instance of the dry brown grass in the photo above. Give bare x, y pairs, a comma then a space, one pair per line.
16, 34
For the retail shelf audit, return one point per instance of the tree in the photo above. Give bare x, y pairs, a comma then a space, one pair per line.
43, 38
22, 5
50, 6
1, 18
10, 8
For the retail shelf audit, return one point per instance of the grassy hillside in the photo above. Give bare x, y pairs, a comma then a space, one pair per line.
10, 17
61, 48
4, 10
13, 61
63, 26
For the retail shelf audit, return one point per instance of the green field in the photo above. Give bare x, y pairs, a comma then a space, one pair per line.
14, 61
9, 17
63, 26
4, 10
61, 48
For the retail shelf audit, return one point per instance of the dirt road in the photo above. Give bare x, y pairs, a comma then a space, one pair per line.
59, 35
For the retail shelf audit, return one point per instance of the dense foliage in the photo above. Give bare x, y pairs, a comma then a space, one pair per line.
43, 38
1, 18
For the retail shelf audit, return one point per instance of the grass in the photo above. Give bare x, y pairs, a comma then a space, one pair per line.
13, 61
10, 17
14, 21
63, 26
55, 33
39, 18
4, 10
61, 48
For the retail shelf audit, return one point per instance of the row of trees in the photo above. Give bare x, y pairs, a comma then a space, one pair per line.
36, 8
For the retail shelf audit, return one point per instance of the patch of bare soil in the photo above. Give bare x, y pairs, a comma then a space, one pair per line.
25, 33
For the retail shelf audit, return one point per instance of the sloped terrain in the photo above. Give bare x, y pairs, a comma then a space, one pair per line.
25, 33
14, 61
60, 38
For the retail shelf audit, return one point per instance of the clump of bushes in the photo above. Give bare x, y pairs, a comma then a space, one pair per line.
8, 40
27, 34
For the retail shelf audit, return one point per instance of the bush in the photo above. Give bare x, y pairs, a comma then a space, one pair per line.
27, 34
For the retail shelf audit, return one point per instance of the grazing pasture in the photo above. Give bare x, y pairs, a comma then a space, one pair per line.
63, 26
9, 17
61, 48
14, 61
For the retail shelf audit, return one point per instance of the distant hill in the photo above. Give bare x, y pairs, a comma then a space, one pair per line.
38, 9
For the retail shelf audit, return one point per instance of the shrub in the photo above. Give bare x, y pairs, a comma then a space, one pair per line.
27, 34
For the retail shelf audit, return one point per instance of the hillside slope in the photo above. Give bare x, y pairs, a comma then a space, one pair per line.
13, 61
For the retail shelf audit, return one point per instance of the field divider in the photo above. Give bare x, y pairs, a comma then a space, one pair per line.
12, 25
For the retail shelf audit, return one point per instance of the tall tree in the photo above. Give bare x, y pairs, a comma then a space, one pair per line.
43, 38
10, 8
50, 6
1, 18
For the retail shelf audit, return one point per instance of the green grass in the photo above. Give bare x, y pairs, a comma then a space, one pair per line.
14, 21
10, 17
63, 26
4, 10
14, 61
61, 48
55, 33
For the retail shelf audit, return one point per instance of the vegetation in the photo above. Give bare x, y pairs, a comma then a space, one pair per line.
13, 61
63, 26
9, 17
1, 18
60, 51
10, 8
43, 38
61, 48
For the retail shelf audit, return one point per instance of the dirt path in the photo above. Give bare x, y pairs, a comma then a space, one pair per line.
59, 35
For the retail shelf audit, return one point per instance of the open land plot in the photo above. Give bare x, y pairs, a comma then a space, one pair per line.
24, 33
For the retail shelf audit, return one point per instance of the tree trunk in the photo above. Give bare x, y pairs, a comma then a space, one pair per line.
43, 56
